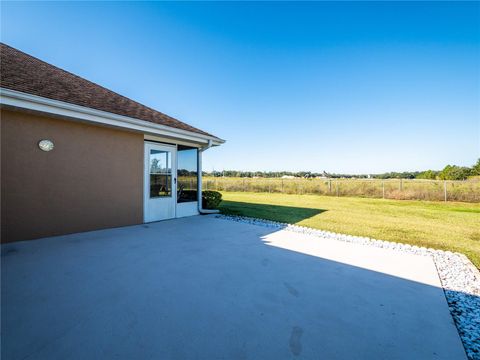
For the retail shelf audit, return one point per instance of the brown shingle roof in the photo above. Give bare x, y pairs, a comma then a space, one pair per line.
25, 73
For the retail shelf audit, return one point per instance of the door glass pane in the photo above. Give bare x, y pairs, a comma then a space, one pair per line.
160, 174
187, 174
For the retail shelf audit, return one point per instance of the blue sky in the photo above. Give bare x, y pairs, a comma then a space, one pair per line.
342, 87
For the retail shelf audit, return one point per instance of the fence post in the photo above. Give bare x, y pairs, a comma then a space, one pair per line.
329, 185
282, 186
401, 185
337, 186
445, 190
269, 185
243, 184
383, 189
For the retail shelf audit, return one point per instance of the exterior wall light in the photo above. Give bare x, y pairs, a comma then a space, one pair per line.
46, 145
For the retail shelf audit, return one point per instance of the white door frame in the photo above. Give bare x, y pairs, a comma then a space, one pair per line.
160, 208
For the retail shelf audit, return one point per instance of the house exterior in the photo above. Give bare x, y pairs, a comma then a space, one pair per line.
78, 157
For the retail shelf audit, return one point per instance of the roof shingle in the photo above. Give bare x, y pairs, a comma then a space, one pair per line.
25, 73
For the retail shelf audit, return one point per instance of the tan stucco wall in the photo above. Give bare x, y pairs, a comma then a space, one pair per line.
92, 179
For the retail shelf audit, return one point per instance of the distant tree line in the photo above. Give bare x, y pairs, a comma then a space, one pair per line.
184, 172
449, 172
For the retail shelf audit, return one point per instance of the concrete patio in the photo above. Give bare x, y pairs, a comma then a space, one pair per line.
207, 288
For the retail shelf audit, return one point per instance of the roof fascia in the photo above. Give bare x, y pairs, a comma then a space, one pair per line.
31, 102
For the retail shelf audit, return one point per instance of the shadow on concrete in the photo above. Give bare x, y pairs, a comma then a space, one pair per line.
290, 214
206, 288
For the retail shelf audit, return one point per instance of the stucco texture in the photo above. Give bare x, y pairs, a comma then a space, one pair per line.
92, 179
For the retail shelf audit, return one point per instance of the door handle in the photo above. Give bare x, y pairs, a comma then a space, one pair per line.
175, 180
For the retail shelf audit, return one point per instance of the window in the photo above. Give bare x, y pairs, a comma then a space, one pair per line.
160, 174
187, 174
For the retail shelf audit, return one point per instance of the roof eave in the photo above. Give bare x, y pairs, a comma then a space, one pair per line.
20, 100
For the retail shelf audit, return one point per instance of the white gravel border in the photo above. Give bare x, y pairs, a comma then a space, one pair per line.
459, 277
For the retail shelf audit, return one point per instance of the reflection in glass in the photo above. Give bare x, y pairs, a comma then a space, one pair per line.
187, 174
160, 173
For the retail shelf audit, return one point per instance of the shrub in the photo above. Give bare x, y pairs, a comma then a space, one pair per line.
211, 199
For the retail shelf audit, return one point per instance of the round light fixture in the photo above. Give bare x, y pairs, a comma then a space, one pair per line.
46, 145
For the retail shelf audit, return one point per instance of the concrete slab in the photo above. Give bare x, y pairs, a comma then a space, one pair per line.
206, 288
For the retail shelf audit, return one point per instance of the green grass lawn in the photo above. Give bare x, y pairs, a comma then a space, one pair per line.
446, 226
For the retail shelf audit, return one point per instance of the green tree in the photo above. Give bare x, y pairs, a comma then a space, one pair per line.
429, 174
476, 168
454, 172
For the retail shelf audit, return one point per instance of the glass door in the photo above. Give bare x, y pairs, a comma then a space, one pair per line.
159, 182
